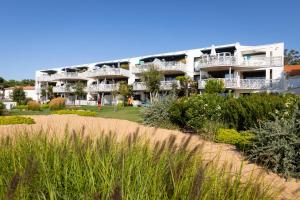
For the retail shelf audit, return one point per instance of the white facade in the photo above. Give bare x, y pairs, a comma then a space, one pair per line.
244, 69
30, 92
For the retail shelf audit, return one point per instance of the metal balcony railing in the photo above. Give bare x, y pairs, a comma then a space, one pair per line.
61, 76
107, 71
252, 84
160, 65
164, 85
65, 89
103, 88
216, 61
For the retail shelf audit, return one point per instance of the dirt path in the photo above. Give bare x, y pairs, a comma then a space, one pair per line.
226, 153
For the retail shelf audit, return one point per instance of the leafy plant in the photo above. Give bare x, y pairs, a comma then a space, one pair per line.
125, 90
231, 136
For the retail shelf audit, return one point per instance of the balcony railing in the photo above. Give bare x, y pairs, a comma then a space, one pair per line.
108, 71
160, 65
65, 89
103, 88
164, 85
216, 61
61, 76
253, 84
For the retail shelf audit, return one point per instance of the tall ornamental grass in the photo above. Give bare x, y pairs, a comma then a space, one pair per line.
35, 166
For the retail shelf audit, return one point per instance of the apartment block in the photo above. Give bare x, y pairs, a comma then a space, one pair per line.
243, 69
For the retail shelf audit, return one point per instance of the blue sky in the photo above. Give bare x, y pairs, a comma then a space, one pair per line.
40, 34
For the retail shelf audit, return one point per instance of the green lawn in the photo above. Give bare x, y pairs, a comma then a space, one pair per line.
127, 113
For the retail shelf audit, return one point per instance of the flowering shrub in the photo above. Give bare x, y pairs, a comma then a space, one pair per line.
33, 105
57, 103
194, 111
276, 145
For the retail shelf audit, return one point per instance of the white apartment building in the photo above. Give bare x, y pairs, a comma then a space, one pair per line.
243, 69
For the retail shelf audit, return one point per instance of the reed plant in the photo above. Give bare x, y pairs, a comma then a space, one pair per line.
35, 165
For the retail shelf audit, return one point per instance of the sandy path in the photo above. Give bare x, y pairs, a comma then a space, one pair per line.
226, 153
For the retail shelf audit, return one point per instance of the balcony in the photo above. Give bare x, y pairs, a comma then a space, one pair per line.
164, 85
103, 88
170, 66
62, 76
108, 72
208, 61
65, 89
247, 84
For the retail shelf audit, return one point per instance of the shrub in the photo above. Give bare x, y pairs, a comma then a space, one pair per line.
57, 103
75, 112
246, 112
193, 112
230, 136
33, 105
22, 107
6, 120
214, 86
157, 114
276, 145
78, 167
45, 106
2, 107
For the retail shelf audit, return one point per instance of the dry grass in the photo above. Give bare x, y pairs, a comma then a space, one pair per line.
94, 127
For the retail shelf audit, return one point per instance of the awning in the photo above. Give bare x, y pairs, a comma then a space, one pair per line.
164, 57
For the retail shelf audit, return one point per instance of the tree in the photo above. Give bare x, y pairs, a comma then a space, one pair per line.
291, 57
187, 85
19, 95
124, 90
213, 86
152, 78
79, 89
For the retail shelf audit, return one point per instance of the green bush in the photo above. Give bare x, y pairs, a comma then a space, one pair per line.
45, 106
2, 107
276, 145
246, 112
231, 136
75, 166
33, 105
6, 120
157, 114
214, 86
22, 107
57, 103
195, 111
75, 112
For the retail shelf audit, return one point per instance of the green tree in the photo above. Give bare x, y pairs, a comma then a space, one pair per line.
152, 78
79, 89
124, 90
291, 57
213, 86
19, 95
